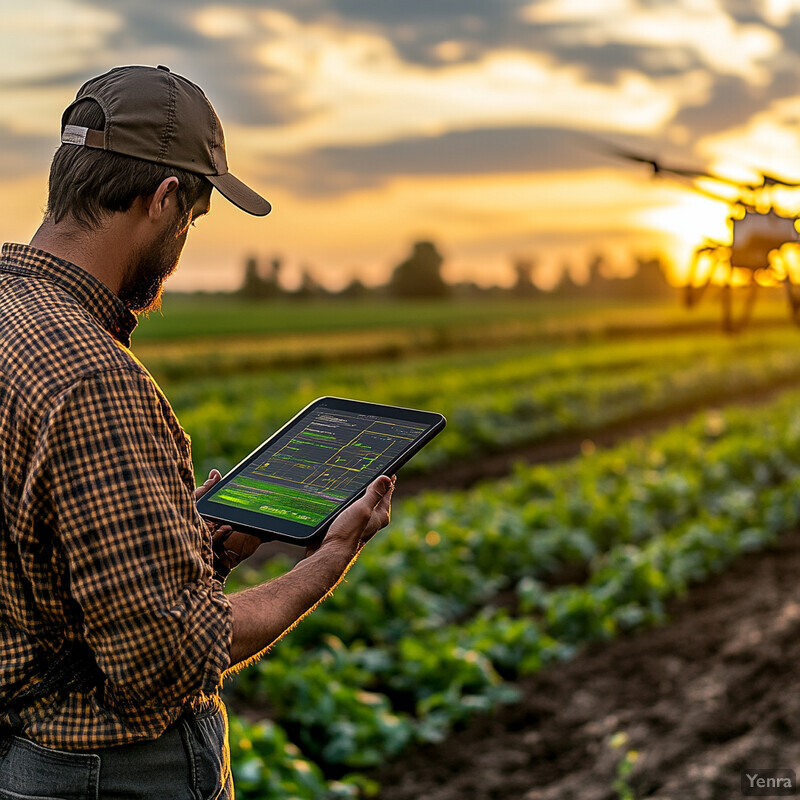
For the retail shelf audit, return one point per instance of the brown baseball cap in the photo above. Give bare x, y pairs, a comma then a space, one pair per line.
156, 115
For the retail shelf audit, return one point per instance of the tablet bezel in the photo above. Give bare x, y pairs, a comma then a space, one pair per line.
270, 528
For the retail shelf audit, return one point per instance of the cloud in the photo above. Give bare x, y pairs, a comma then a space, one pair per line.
706, 30
790, 34
154, 32
59, 38
731, 102
516, 150
245, 54
23, 154
322, 73
354, 88
777, 13
42, 52
768, 141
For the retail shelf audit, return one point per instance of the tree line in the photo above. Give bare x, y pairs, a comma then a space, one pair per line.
419, 276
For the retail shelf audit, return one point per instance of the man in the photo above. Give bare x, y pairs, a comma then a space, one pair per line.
115, 632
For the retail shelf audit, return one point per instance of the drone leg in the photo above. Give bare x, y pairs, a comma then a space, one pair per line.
693, 293
727, 322
794, 300
749, 303
688, 294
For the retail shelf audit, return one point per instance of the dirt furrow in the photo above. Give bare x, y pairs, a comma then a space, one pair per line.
714, 692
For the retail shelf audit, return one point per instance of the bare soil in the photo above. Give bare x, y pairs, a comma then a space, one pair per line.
714, 692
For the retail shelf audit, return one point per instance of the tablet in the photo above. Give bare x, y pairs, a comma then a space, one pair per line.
293, 485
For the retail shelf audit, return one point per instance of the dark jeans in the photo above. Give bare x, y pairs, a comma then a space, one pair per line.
189, 761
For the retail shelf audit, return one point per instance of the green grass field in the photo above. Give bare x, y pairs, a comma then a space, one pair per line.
187, 316
212, 316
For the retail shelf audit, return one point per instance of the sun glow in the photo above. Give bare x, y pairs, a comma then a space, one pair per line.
688, 222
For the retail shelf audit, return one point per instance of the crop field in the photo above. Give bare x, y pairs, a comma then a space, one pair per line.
481, 587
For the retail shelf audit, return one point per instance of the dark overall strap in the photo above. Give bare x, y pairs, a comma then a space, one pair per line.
72, 668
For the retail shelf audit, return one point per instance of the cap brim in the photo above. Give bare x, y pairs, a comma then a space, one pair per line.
240, 194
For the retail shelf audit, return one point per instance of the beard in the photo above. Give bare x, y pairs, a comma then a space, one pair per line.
148, 267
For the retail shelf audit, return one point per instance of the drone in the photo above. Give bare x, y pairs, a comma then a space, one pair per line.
758, 254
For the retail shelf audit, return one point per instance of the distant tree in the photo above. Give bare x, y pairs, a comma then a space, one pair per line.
251, 286
598, 284
354, 290
523, 284
420, 274
257, 287
468, 289
309, 286
650, 279
596, 264
274, 275
566, 286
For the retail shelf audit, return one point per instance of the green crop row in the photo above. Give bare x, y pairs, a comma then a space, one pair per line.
223, 337
494, 400
416, 640
188, 318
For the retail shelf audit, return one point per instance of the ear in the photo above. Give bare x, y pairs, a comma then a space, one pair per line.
163, 197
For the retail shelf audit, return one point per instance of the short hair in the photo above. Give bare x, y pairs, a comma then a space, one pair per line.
87, 183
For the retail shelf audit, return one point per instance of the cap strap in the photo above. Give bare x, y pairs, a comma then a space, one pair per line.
75, 134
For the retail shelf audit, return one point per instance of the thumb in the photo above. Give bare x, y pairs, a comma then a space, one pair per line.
378, 489
213, 478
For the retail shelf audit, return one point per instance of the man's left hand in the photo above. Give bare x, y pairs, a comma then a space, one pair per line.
230, 547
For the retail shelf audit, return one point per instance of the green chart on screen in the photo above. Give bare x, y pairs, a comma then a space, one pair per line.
318, 464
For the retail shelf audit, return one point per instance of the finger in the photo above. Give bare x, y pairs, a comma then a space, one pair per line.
378, 490
213, 478
222, 534
383, 511
385, 503
243, 544
367, 508
385, 506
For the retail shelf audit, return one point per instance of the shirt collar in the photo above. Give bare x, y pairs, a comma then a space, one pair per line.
91, 293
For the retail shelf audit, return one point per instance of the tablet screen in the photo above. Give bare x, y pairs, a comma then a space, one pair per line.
317, 464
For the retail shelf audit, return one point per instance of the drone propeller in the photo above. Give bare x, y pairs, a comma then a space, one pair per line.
734, 203
771, 180
655, 165
694, 175
745, 191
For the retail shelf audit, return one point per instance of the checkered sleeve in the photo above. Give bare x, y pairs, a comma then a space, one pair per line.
138, 552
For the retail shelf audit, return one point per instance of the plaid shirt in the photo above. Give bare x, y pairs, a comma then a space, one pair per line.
100, 540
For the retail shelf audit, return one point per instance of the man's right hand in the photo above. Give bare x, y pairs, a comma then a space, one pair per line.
358, 523
262, 614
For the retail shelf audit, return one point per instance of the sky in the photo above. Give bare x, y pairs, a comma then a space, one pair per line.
478, 124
